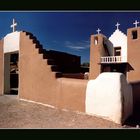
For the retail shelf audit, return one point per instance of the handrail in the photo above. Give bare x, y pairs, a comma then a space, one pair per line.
111, 59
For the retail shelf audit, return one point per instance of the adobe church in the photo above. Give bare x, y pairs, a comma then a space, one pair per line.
118, 53
56, 79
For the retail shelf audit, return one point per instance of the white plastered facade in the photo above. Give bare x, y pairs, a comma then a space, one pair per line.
118, 38
109, 96
11, 42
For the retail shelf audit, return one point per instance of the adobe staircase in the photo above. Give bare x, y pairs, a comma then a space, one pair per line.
46, 55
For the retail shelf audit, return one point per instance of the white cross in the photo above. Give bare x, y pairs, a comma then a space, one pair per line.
136, 23
117, 25
14, 25
98, 31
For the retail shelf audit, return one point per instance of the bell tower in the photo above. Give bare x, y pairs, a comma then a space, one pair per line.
96, 51
133, 52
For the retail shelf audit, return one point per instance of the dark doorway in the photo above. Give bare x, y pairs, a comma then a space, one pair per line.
14, 73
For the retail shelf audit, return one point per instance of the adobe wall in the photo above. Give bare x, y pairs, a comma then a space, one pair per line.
1, 67
72, 94
136, 94
96, 51
133, 75
7, 73
36, 80
38, 83
133, 55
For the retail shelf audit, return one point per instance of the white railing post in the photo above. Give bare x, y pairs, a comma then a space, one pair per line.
111, 59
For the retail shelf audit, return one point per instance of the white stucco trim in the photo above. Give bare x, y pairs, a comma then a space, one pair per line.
11, 42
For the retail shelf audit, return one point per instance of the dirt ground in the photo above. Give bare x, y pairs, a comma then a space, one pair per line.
15, 113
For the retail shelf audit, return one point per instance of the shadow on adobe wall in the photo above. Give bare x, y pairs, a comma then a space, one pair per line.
135, 118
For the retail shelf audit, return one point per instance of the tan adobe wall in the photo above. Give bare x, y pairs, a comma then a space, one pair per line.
96, 51
37, 82
133, 55
1, 67
133, 76
136, 94
72, 94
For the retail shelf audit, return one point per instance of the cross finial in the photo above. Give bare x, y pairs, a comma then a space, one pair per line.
98, 31
136, 23
14, 25
117, 25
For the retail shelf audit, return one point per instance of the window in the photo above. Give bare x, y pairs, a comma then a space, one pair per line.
96, 40
134, 35
117, 51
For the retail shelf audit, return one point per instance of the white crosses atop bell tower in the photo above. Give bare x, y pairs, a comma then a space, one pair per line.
98, 31
136, 23
117, 25
14, 25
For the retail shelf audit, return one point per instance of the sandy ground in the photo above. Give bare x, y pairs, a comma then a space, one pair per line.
15, 113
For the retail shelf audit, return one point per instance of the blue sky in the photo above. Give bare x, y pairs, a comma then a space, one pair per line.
67, 31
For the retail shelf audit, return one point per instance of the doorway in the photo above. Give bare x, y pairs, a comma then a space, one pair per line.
11, 73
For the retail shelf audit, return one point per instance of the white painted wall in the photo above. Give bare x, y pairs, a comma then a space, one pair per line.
109, 96
11, 42
118, 38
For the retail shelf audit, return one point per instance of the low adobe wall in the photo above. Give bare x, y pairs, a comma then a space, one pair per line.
72, 94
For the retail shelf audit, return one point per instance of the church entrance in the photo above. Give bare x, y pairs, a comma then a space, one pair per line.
11, 73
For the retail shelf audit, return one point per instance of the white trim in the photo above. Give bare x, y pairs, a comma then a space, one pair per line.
26, 100
11, 42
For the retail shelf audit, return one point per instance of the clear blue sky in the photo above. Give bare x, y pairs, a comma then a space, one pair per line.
67, 31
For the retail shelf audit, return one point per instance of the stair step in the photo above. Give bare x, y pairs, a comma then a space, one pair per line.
41, 50
36, 41
38, 46
33, 37
55, 68
58, 74
45, 56
28, 33
50, 61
